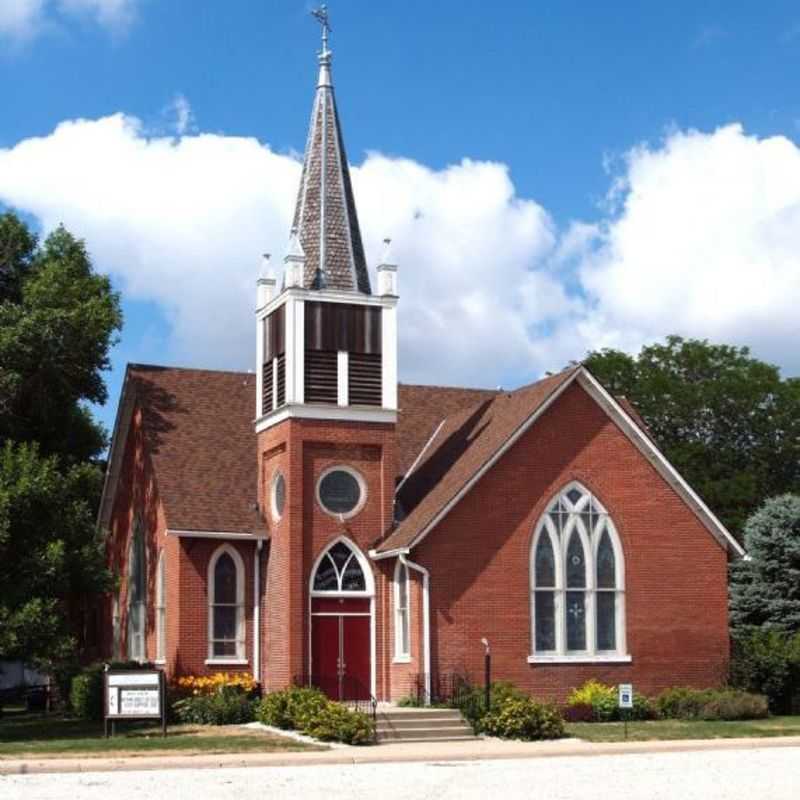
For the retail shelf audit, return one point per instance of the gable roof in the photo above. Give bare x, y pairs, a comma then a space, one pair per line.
199, 436
470, 442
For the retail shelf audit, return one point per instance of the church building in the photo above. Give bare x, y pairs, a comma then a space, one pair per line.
317, 521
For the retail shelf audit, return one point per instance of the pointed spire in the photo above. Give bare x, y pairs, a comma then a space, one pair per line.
325, 214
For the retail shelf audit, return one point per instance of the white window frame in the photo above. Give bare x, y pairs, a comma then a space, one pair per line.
161, 609
362, 485
137, 640
402, 615
590, 541
240, 655
116, 629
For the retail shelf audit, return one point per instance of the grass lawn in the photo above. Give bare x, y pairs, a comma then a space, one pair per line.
25, 734
679, 729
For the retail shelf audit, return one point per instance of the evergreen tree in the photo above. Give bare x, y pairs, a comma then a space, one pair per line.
765, 589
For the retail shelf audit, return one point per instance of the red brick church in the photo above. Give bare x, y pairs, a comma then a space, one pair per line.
317, 520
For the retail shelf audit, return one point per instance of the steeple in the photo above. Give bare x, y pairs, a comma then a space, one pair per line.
325, 217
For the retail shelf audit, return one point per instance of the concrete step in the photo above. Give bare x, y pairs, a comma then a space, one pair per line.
426, 734
422, 725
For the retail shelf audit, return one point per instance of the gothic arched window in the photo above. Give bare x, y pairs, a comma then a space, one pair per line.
577, 581
226, 606
137, 593
340, 570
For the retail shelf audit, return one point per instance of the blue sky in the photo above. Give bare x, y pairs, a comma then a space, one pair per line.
630, 167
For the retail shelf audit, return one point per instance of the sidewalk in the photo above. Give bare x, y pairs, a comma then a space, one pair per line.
480, 750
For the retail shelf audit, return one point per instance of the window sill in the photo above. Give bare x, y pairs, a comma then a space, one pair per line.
227, 661
401, 660
600, 658
160, 661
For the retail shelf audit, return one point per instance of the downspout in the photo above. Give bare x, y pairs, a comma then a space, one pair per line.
426, 620
257, 611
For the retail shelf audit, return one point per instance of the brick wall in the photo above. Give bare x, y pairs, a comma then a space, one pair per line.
676, 572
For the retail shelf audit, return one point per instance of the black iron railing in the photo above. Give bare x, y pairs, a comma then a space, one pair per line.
344, 689
453, 689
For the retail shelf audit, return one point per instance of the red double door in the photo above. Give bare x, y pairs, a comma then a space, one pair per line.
340, 647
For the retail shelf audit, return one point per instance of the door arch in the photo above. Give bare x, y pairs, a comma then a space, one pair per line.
342, 622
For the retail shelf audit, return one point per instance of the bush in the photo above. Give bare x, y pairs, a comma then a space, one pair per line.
309, 710
291, 708
710, 704
335, 723
228, 706
86, 693
768, 662
86, 688
523, 718
471, 700
604, 702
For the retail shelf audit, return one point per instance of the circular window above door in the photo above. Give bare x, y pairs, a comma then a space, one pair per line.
341, 492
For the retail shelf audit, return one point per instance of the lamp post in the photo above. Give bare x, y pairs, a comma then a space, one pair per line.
487, 674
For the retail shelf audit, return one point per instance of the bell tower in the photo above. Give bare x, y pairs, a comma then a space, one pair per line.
326, 398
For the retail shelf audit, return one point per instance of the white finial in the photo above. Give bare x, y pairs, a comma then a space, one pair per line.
387, 271
295, 261
265, 285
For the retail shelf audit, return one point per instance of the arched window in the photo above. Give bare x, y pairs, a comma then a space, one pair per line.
137, 593
161, 609
226, 606
340, 570
402, 632
577, 581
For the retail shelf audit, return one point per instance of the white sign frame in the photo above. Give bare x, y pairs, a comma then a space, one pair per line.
625, 696
134, 694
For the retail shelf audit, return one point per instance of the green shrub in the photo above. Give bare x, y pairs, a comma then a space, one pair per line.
523, 718
471, 700
710, 704
291, 708
308, 710
336, 723
227, 707
86, 693
604, 702
768, 662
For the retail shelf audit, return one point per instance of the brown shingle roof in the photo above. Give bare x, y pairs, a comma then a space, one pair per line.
465, 443
198, 428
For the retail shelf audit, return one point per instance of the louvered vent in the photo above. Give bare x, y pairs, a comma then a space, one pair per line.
321, 384
364, 379
281, 363
266, 387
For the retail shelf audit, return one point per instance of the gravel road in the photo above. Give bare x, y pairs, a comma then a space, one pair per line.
771, 774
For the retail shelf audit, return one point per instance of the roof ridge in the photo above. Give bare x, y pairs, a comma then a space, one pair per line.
164, 367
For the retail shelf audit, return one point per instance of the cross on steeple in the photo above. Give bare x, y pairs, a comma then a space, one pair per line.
321, 15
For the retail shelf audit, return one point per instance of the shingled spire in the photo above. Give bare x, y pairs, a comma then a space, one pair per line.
325, 215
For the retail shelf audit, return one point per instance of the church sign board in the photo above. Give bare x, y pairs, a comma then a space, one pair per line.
134, 694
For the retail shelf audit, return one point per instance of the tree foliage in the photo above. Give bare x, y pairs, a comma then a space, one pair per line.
727, 421
765, 589
58, 322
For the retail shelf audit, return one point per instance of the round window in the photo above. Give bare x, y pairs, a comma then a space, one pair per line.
278, 495
341, 491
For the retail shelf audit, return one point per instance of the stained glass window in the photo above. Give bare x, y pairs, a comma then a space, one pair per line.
577, 593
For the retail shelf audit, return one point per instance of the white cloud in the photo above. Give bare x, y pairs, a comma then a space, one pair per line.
22, 20
705, 242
